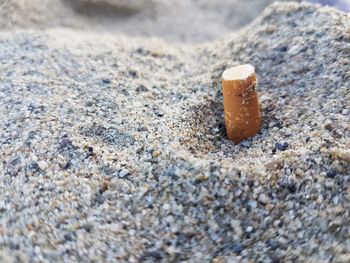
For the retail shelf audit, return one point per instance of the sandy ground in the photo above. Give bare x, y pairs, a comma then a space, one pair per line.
113, 147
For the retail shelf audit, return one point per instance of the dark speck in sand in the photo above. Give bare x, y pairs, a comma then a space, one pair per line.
291, 186
141, 88
87, 227
90, 151
99, 199
281, 146
237, 248
332, 173
329, 127
106, 81
34, 167
273, 244
282, 48
67, 165
152, 255
64, 142
69, 237
133, 73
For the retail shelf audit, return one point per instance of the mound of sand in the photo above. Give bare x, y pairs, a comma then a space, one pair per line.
114, 149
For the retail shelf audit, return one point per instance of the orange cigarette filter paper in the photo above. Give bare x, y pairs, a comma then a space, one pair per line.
241, 104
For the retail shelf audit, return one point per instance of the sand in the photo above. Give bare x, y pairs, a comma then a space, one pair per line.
113, 146
173, 20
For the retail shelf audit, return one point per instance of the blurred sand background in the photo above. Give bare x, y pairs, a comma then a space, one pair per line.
175, 20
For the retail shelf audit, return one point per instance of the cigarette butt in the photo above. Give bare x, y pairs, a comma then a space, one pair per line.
241, 104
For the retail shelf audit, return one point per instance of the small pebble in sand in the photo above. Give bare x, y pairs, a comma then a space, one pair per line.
264, 199
331, 173
329, 127
123, 173
282, 146
249, 229
294, 50
166, 206
237, 248
42, 165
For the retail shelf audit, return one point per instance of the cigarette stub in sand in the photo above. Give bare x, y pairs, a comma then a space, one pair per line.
241, 104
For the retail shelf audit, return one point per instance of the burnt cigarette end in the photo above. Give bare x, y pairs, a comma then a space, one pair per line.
241, 104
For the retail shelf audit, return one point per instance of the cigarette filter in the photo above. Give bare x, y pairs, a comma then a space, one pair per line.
241, 104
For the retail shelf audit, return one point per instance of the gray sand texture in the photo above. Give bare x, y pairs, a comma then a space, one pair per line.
112, 136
